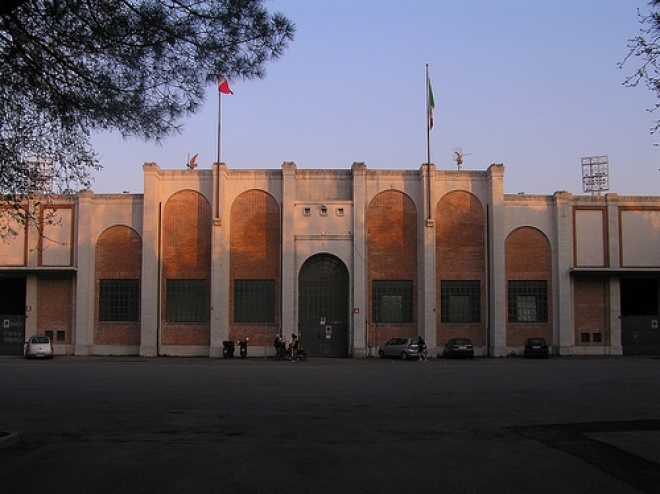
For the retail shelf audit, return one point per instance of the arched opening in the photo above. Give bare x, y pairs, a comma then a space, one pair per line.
323, 306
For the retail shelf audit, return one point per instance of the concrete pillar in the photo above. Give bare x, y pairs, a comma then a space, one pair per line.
497, 262
563, 321
85, 290
151, 265
427, 275
289, 283
220, 261
614, 261
361, 347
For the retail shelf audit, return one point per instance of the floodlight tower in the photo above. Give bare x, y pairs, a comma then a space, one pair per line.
595, 174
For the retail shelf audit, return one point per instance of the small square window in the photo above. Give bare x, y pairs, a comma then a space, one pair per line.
340, 211
586, 337
324, 211
61, 336
598, 337
307, 211
49, 334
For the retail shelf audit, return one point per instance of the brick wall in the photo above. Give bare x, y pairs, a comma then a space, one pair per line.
186, 255
528, 257
391, 255
460, 255
118, 257
55, 308
591, 311
255, 255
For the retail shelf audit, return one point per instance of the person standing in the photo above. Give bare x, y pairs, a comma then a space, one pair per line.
294, 345
278, 347
421, 350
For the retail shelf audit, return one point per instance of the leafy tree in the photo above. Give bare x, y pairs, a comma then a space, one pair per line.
72, 67
645, 47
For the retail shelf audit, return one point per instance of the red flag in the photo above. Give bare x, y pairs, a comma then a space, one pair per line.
223, 86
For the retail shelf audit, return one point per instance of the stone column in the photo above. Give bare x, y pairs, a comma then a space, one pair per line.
289, 282
497, 262
151, 262
85, 290
563, 321
219, 262
360, 344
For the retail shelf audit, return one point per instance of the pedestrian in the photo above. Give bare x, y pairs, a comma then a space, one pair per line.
278, 347
421, 350
294, 348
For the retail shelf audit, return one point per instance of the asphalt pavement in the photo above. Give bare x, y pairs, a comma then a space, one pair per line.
140, 425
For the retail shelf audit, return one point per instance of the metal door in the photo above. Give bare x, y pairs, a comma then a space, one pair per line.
640, 331
12, 334
323, 306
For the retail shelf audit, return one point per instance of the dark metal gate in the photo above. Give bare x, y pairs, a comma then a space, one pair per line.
323, 306
12, 315
12, 334
640, 334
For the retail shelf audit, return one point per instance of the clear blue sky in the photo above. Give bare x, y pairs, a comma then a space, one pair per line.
530, 84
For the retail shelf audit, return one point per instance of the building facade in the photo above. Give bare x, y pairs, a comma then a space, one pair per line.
347, 259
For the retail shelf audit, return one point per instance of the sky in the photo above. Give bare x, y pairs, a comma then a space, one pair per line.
534, 85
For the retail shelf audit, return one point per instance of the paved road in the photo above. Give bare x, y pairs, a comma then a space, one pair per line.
119, 425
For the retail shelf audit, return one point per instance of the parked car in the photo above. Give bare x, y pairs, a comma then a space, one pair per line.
458, 347
39, 347
536, 347
399, 348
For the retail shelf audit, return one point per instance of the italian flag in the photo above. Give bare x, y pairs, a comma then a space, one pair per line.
431, 106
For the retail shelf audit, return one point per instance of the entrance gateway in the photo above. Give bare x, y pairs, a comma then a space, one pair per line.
12, 316
640, 318
323, 313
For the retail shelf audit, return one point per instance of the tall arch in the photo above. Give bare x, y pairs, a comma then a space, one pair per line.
255, 256
186, 278
392, 266
323, 312
460, 268
529, 286
118, 268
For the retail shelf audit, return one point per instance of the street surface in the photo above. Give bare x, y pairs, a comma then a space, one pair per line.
196, 425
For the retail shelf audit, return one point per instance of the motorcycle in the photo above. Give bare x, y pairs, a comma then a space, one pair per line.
287, 354
243, 344
228, 349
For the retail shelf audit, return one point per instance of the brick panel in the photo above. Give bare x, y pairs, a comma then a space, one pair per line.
55, 307
529, 257
118, 257
391, 255
255, 254
460, 255
186, 254
591, 311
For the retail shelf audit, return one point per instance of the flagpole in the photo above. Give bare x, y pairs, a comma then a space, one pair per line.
428, 146
428, 119
219, 124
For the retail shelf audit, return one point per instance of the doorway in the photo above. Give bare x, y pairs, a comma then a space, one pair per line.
323, 306
640, 334
12, 316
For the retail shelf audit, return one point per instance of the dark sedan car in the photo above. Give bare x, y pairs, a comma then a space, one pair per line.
458, 347
536, 347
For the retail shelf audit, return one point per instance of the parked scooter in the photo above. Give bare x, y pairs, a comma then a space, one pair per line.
243, 344
286, 354
228, 349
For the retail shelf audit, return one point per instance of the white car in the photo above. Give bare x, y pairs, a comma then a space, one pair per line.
39, 347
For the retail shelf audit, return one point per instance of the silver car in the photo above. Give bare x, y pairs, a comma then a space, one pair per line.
39, 347
399, 348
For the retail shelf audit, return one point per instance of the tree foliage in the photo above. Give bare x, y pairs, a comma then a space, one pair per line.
72, 67
645, 49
